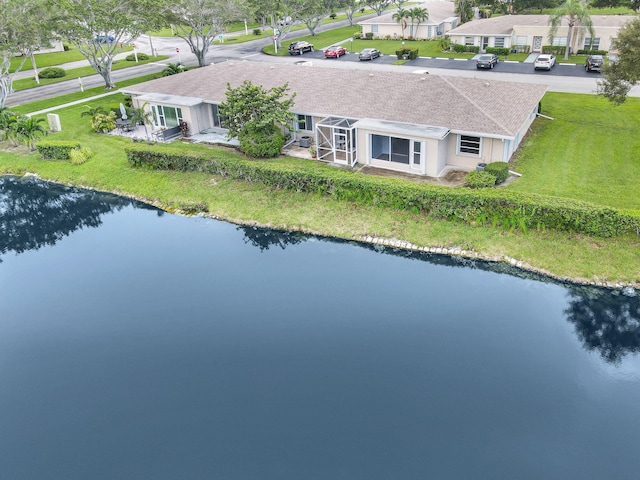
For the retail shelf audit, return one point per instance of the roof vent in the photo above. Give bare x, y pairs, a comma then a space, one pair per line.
486, 84
371, 74
272, 67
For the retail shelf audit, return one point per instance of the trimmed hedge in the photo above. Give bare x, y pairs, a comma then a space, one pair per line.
554, 49
56, 149
412, 53
500, 51
480, 179
498, 206
593, 52
52, 72
500, 170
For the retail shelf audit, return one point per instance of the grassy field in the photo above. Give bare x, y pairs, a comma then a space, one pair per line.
25, 83
51, 59
578, 257
589, 151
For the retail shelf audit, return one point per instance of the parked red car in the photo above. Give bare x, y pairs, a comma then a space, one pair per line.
335, 51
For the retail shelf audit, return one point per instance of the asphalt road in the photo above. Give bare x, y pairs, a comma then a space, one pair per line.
562, 78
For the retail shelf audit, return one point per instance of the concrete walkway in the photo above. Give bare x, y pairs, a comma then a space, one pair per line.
76, 102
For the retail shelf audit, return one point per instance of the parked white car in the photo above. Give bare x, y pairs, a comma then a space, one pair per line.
544, 62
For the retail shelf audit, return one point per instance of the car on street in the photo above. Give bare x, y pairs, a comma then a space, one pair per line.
299, 47
369, 54
487, 60
544, 62
335, 51
594, 63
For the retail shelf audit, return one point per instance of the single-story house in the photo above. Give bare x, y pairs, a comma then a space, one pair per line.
442, 18
532, 31
406, 122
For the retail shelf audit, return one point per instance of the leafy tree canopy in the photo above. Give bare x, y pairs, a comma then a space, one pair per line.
618, 77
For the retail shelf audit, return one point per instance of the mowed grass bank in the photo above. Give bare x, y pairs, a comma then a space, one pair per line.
574, 256
589, 151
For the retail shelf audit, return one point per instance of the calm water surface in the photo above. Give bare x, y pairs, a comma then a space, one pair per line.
141, 345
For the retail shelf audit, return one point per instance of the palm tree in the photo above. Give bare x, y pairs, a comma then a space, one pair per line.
92, 111
577, 15
464, 10
172, 69
140, 116
27, 130
401, 16
6, 117
417, 16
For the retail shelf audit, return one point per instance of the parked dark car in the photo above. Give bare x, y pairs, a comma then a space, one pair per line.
487, 60
298, 48
594, 63
369, 54
335, 51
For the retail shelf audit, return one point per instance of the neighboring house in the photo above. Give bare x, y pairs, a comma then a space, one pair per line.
442, 18
399, 121
532, 31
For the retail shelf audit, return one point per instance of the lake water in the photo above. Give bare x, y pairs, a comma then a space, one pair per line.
136, 344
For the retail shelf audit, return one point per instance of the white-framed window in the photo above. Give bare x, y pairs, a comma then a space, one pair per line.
499, 42
594, 46
468, 145
390, 149
522, 40
374, 28
167, 117
217, 118
559, 41
469, 41
304, 122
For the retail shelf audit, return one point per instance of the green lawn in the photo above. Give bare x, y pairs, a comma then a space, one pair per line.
26, 83
551, 163
589, 151
50, 59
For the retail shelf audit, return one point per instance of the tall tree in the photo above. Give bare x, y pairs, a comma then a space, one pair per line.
379, 6
313, 11
100, 29
199, 22
25, 26
464, 9
417, 16
254, 115
577, 14
350, 7
401, 16
618, 77
273, 12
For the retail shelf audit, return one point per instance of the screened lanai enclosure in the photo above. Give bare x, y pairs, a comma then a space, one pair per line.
336, 140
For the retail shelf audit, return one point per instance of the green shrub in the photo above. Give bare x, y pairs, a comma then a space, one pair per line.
592, 52
481, 179
52, 72
80, 155
368, 35
472, 48
459, 48
257, 32
500, 171
103, 122
357, 36
56, 149
265, 143
500, 51
554, 49
141, 56
504, 207
65, 47
411, 53
332, 16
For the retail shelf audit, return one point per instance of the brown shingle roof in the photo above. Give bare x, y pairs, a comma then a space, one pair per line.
461, 104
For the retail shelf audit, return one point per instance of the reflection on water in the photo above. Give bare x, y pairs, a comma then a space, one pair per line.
192, 348
606, 321
34, 213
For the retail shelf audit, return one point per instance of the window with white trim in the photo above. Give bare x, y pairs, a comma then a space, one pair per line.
522, 40
469, 145
374, 28
499, 42
589, 46
391, 149
559, 41
167, 117
305, 122
469, 40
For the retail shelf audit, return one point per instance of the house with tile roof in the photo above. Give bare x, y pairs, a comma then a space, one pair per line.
532, 31
442, 18
414, 123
